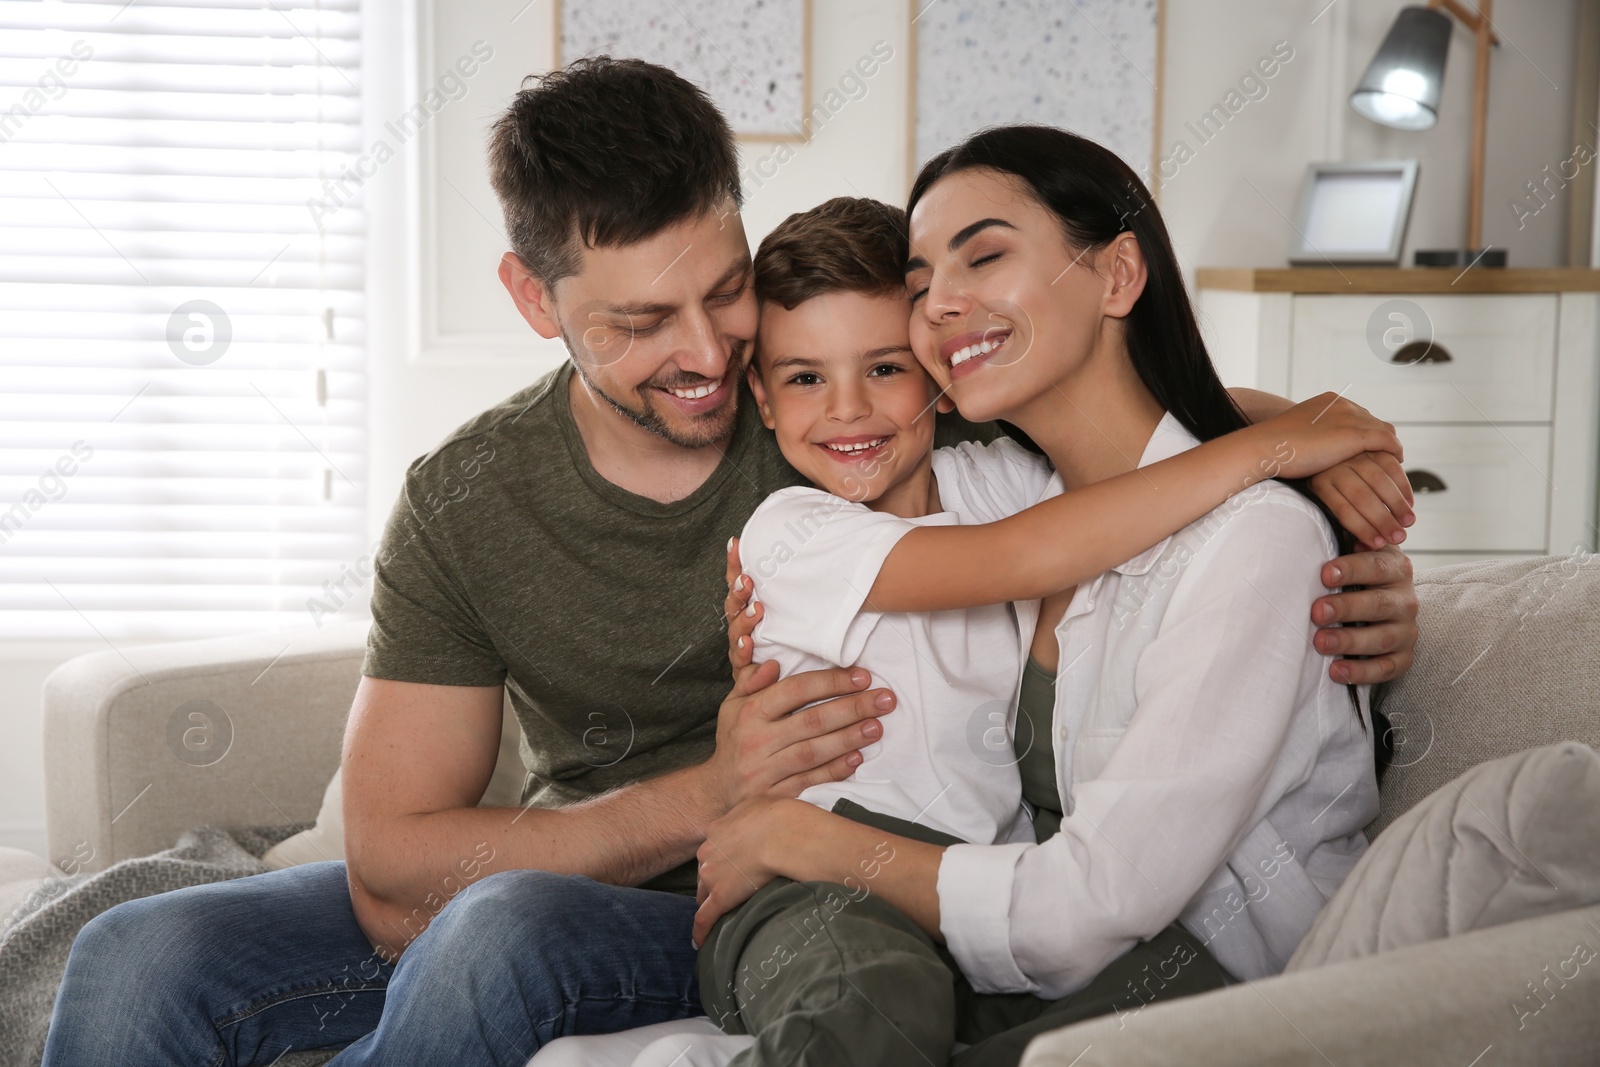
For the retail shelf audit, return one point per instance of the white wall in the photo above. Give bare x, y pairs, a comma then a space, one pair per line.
1594, 184
1531, 76
1227, 205
1222, 207
1231, 205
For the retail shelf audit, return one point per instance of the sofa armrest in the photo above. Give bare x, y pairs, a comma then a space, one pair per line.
234, 732
1530, 989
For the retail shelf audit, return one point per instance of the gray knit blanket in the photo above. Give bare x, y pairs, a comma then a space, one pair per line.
37, 936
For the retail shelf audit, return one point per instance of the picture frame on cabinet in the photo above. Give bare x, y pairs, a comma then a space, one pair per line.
1353, 213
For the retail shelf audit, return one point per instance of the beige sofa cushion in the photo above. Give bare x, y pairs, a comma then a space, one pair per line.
1511, 839
1507, 661
325, 839
1519, 994
117, 784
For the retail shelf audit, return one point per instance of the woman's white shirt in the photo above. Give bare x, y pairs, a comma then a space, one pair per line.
1209, 769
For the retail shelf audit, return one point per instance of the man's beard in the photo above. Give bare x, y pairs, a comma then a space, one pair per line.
711, 428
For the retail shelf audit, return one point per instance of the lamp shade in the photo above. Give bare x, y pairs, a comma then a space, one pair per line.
1401, 85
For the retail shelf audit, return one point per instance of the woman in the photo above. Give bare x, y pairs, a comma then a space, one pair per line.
1200, 781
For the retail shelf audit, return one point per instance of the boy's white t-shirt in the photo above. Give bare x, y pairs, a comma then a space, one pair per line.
945, 759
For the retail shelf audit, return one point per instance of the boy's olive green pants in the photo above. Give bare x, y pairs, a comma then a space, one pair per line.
831, 975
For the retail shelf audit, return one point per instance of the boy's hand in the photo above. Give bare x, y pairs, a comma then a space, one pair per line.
1368, 495
743, 611
1315, 436
1327, 429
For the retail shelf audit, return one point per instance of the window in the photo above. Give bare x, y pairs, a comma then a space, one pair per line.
182, 389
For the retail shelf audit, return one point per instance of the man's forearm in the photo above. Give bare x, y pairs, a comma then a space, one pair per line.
405, 869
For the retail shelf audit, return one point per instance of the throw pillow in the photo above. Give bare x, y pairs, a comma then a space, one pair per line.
1510, 839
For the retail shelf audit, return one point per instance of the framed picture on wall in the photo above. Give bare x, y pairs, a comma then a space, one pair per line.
753, 58
1090, 66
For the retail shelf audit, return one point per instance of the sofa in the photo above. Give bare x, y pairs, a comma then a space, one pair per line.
1509, 659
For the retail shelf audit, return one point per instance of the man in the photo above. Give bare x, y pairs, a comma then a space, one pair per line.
565, 546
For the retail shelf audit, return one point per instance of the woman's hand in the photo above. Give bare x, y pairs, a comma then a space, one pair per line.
767, 837
733, 858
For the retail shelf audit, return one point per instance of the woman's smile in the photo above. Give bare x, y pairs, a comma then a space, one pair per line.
966, 352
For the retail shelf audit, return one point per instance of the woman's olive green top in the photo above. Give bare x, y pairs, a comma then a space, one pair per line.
1036, 755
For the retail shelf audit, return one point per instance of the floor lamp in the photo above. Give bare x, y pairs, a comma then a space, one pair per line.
1401, 87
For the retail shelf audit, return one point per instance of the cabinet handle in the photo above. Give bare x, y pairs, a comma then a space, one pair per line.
1420, 352
1423, 481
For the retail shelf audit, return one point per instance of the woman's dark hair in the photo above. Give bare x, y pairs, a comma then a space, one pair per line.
1097, 197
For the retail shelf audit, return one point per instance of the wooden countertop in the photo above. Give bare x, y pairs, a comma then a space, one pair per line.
1356, 280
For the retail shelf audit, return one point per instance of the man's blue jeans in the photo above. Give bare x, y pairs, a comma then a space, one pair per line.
241, 972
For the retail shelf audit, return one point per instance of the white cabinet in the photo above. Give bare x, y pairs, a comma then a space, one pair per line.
1489, 359
1479, 488
1491, 380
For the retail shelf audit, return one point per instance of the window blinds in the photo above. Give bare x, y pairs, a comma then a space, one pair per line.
182, 388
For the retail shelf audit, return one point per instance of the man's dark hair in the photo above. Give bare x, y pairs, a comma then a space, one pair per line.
606, 152
848, 245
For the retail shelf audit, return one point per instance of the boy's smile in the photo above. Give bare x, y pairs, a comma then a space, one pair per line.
853, 411
857, 448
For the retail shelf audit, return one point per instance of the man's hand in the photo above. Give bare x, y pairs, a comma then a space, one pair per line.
777, 737
1388, 605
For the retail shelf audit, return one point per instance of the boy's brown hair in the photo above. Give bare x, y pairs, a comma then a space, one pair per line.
847, 245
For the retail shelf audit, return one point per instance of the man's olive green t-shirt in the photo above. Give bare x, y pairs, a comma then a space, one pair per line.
509, 559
